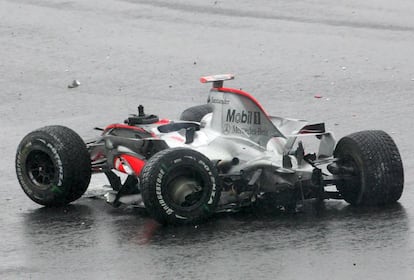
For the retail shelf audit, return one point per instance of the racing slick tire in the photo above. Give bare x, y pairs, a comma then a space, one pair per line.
375, 162
53, 166
196, 113
180, 186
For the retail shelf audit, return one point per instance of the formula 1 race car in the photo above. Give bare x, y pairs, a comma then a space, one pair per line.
220, 156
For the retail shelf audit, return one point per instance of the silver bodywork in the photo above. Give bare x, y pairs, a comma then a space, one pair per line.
238, 128
254, 153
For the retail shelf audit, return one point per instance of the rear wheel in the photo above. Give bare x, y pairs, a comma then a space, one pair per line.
179, 186
53, 165
373, 160
196, 113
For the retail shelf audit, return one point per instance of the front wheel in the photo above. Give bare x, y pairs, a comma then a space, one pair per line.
53, 166
373, 160
179, 186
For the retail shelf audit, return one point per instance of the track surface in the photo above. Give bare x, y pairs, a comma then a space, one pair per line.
357, 56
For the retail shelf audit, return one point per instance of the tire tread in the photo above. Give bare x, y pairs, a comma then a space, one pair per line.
382, 166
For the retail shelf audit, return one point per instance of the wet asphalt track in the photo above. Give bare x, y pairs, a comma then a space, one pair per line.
357, 56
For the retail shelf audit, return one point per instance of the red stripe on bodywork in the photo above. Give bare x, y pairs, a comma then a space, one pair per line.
242, 93
180, 139
135, 163
124, 126
203, 80
163, 121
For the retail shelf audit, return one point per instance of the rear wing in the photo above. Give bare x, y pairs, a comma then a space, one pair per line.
217, 80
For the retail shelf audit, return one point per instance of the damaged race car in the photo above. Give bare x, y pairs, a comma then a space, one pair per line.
220, 156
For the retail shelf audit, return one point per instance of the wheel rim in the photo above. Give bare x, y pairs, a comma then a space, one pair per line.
351, 189
40, 169
185, 189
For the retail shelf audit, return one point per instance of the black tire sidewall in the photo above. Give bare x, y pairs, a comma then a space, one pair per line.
347, 149
378, 165
196, 113
162, 170
54, 194
71, 160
